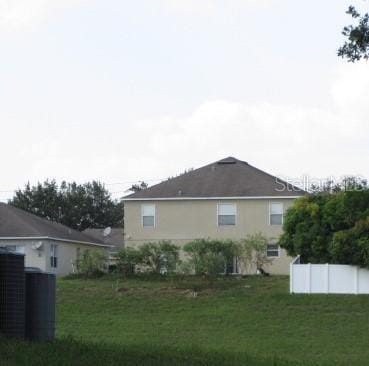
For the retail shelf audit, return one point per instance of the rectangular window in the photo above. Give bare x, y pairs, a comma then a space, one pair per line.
226, 214
273, 251
15, 248
276, 213
148, 215
53, 256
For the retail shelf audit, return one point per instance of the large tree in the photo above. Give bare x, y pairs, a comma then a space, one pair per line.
79, 206
329, 228
357, 43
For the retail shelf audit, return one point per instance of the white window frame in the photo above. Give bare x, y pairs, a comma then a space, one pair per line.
142, 215
270, 212
21, 249
235, 214
273, 256
54, 255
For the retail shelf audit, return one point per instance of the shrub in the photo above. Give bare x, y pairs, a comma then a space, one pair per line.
352, 246
210, 257
255, 251
160, 257
127, 260
324, 227
93, 263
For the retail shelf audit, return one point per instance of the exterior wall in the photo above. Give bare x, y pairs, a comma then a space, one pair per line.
66, 254
184, 220
33, 258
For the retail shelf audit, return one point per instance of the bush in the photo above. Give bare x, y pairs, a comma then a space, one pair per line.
127, 260
93, 263
161, 257
325, 227
255, 251
352, 246
210, 257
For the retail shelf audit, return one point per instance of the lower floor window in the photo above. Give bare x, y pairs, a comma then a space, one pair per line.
273, 250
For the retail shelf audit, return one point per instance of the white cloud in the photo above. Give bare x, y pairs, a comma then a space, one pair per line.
283, 139
288, 140
17, 14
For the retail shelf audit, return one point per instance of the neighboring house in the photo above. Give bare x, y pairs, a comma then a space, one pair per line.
47, 245
228, 199
111, 236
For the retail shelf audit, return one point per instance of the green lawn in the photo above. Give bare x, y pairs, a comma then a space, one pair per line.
232, 321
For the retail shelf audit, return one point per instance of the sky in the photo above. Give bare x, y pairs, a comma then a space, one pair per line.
124, 91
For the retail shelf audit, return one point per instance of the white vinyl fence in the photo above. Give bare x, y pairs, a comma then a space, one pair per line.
328, 279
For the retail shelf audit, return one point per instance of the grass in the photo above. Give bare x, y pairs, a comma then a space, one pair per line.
190, 321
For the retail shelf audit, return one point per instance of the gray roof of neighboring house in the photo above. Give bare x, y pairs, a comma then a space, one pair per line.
114, 236
228, 177
17, 223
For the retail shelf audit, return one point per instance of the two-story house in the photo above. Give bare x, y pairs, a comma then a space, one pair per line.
228, 199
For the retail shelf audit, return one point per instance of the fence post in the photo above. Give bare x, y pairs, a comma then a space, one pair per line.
291, 278
327, 277
308, 278
356, 279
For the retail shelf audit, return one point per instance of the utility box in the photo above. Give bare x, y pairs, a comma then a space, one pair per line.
12, 295
40, 305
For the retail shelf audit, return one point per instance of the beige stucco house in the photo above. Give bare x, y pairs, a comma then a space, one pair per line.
47, 245
228, 199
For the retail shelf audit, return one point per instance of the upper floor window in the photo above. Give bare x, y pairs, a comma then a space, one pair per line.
148, 215
276, 213
227, 214
53, 256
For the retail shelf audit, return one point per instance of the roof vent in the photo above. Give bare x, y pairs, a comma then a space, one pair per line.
229, 160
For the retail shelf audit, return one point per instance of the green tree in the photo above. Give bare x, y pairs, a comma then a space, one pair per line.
255, 251
141, 186
79, 206
314, 222
352, 246
357, 44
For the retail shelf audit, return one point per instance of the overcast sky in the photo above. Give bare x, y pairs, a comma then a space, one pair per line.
122, 91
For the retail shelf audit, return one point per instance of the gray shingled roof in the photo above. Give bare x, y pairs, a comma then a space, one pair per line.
15, 222
115, 237
228, 177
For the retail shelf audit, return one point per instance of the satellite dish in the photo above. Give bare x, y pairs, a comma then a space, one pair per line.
37, 246
107, 231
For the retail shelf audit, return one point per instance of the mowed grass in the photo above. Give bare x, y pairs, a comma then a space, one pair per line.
191, 321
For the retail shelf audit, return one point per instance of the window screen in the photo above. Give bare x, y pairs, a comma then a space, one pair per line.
226, 214
276, 213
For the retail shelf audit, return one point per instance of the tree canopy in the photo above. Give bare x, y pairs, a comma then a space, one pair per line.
79, 206
357, 43
329, 228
